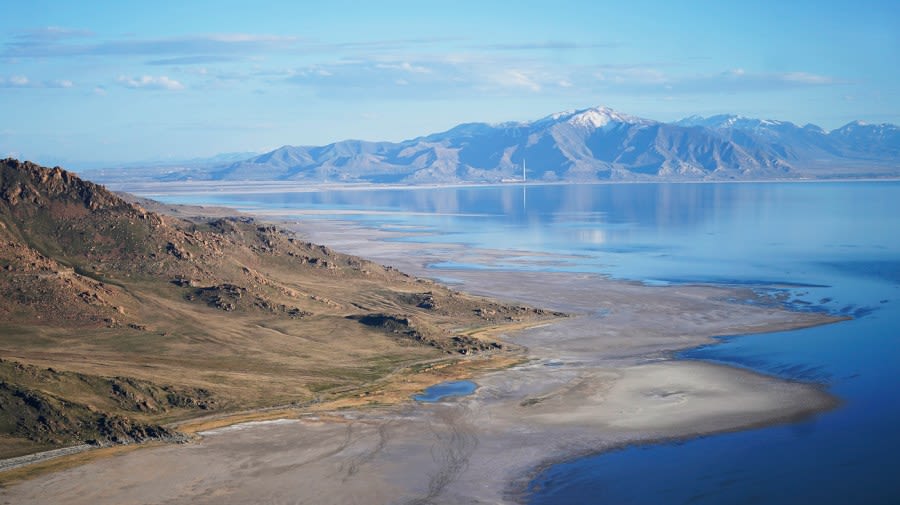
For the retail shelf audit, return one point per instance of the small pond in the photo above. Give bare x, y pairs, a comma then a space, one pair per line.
443, 390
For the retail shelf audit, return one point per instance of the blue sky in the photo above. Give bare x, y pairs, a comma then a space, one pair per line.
99, 82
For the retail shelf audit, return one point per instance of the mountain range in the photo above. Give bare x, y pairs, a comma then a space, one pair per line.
576, 146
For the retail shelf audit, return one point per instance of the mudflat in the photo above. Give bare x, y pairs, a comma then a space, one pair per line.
593, 382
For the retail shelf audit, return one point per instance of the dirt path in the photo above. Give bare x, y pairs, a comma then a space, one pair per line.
31, 459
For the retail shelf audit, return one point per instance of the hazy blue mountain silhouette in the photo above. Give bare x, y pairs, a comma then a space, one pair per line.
588, 145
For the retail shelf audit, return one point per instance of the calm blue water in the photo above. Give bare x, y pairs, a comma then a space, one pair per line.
819, 246
443, 390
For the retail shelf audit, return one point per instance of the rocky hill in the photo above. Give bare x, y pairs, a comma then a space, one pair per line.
115, 320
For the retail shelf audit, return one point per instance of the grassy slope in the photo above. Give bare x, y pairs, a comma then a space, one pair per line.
114, 320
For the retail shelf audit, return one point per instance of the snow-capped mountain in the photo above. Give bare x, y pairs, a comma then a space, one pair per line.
588, 145
809, 145
876, 141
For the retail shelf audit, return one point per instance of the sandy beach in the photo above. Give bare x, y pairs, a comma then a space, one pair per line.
602, 379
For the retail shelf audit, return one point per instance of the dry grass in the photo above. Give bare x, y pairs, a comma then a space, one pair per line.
394, 387
116, 320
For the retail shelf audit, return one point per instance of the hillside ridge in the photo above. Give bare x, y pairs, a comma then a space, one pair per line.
115, 320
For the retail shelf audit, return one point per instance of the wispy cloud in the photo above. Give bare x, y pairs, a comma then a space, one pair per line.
739, 80
389, 68
379, 77
51, 42
513, 78
51, 33
431, 77
193, 60
652, 79
15, 81
810, 79
150, 82
405, 66
21, 81
368, 46
629, 74
450, 74
212, 44
554, 45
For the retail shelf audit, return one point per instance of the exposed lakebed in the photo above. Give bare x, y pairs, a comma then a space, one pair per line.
825, 247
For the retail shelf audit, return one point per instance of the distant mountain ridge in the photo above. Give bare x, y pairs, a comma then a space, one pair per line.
591, 144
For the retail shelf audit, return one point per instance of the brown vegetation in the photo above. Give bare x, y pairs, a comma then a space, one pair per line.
115, 320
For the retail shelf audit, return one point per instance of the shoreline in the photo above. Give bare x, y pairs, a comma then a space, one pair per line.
517, 489
152, 189
500, 417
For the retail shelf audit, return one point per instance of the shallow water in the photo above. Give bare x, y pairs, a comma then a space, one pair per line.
832, 247
444, 390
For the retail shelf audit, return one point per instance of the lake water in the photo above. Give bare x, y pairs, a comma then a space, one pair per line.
444, 390
817, 246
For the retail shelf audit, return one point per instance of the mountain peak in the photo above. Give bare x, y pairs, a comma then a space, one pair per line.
594, 117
